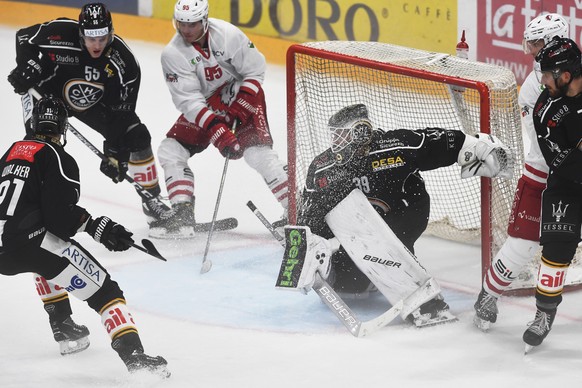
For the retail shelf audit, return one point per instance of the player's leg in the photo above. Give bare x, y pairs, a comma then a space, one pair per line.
560, 235
77, 271
182, 141
71, 337
517, 252
382, 257
255, 138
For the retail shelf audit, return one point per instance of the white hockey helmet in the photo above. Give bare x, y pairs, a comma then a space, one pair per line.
191, 11
544, 27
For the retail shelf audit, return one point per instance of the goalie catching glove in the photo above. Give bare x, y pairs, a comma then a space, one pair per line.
109, 233
485, 155
306, 254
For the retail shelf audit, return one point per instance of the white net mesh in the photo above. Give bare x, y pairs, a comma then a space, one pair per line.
409, 88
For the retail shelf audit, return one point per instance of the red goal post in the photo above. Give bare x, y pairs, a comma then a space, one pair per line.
409, 88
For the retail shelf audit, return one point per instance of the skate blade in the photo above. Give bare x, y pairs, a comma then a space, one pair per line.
445, 317
182, 233
68, 347
147, 373
481, 324
528, 348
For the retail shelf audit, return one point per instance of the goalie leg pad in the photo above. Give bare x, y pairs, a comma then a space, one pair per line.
306, 254
379, 254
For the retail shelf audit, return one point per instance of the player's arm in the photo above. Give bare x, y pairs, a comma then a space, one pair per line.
186, 91
62, 216
251, 65
31, 66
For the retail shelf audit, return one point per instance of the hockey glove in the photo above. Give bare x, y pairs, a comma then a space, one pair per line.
244, 106
25, 77
225, 141
109, 233
115, 167
485, 155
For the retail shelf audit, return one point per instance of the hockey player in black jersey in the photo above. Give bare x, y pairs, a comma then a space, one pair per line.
385, 166
98, 77
558, 124
39, 215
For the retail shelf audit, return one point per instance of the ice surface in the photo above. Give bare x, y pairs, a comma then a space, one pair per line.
230, 327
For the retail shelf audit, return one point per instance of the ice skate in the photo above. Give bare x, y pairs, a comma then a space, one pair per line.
138, 361
485, 311
156, 210
178, 226
539, 329
72, 338
433, 312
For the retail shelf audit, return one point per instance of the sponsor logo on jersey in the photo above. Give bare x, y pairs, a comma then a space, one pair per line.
64, 59
81, 95
115, 57
109, 71
197, 59
76, 283
558, 212
56, 41
171, 77
84, 263
387, 163
24, 151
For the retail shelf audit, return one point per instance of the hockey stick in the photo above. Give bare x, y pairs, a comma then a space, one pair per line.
206, 263
149, 248
327, 294
141, 191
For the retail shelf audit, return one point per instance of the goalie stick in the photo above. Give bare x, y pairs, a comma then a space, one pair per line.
332, 300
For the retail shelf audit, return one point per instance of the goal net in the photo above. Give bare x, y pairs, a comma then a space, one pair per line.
410, 88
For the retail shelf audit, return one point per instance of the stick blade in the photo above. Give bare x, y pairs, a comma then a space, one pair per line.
206, 266
150, 247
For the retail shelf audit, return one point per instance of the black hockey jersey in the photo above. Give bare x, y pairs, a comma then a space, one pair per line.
388, 174
70, 73
39, 190
558, 125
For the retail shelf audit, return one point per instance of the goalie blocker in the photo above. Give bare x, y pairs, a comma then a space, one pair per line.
376, 251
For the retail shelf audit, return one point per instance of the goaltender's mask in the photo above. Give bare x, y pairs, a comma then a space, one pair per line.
351, 133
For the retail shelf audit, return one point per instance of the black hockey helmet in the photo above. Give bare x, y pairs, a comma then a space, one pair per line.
49, 117
95, 21
350, 130
559, 55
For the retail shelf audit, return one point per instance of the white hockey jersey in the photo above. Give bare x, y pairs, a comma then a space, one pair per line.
535, 164
194, 75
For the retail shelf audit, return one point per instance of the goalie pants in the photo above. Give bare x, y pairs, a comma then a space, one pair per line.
35, 259
407, 224
560, 235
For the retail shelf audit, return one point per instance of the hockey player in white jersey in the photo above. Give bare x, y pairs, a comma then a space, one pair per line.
214, 74
523, 230
365, 204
